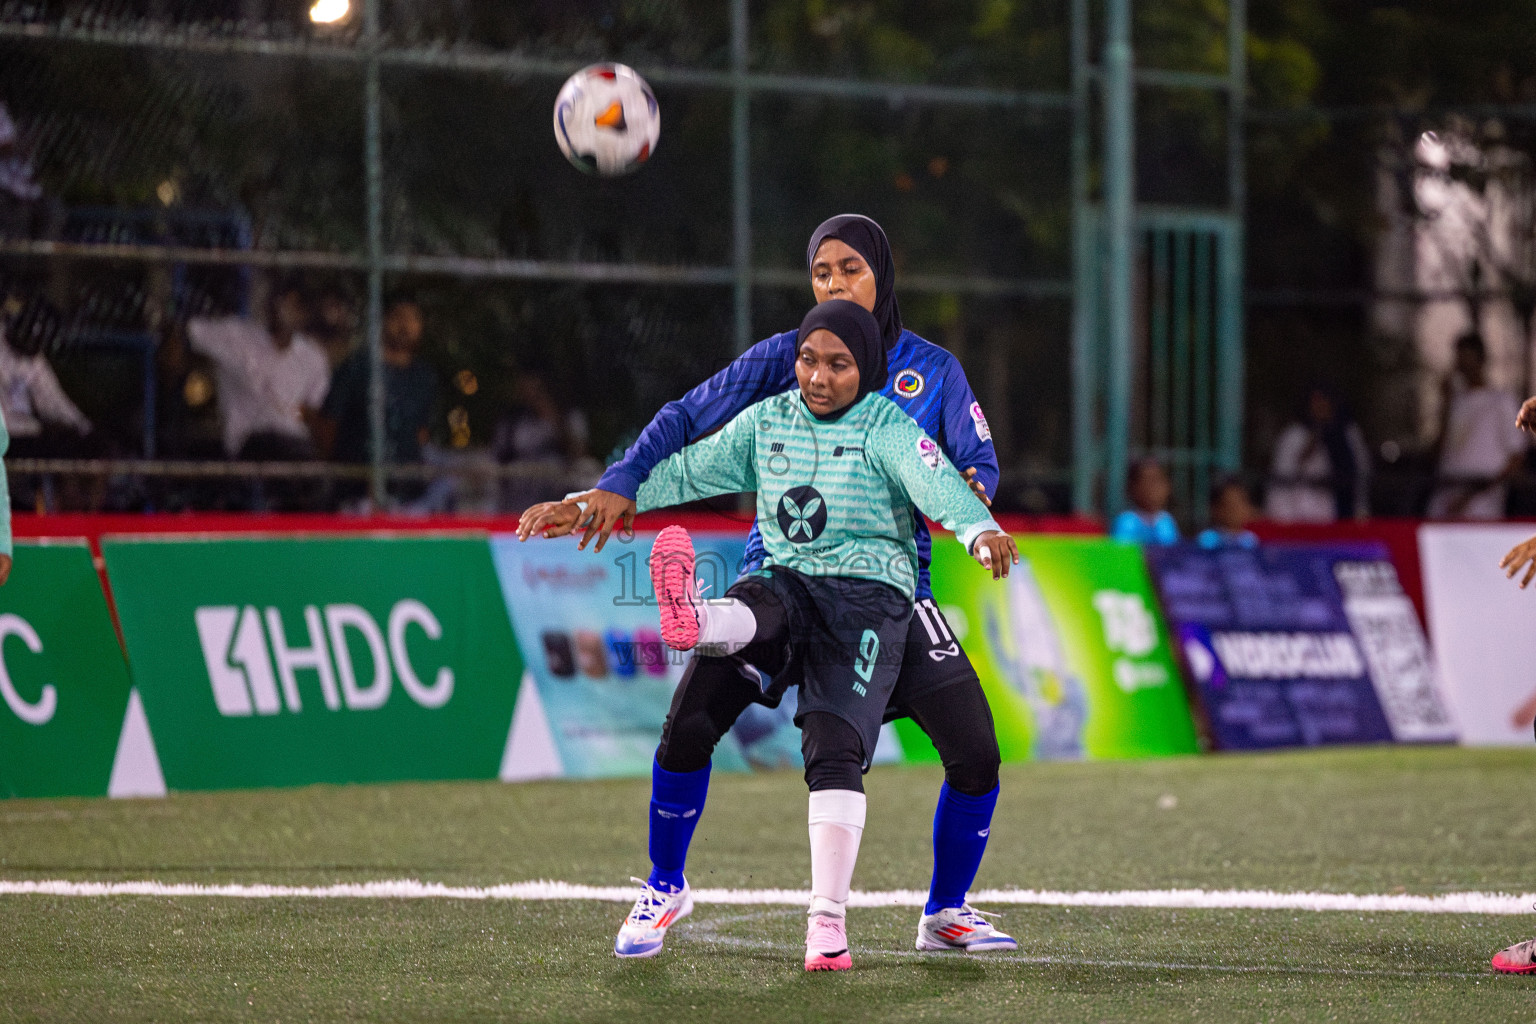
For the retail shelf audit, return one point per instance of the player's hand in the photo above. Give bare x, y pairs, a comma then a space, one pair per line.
5, 569
1526, 419
548, 519
998, 552
1521, 556
1525, 714
981, 488
604, 511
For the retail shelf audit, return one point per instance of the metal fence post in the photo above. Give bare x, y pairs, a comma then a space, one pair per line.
1229, 392
741, 197
1085, 278
373, 160
1119, 244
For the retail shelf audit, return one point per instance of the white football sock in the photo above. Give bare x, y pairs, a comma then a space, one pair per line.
837, 825
726, 625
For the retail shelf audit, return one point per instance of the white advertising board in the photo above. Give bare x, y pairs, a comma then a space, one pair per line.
1482, 627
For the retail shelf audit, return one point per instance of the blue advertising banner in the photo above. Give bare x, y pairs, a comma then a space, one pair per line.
587, 626
1300, 645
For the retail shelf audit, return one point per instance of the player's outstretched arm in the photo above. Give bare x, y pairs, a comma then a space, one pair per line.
720, 464
597, 512
765, 369
1521, 556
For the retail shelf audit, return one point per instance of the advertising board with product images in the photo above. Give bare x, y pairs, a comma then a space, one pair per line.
279, 662
1070, 648
588, 622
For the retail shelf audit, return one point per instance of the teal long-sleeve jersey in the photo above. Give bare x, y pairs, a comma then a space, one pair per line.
833, 498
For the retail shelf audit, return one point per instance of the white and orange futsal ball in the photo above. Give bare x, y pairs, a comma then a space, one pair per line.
607, 121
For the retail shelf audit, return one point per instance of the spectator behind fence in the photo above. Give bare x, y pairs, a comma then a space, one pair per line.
1480, 445
1321, 466
336, 323
410, 393
43, 422
1148, 520
538, 434
271, 382
1231, 512
19, 193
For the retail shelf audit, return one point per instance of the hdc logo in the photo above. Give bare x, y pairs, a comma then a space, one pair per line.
236, 645
40, 712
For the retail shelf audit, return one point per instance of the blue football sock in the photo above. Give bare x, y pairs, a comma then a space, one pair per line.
677, 800
960, 828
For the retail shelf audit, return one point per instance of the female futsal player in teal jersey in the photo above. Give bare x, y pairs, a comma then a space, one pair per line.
850, 258
836, 471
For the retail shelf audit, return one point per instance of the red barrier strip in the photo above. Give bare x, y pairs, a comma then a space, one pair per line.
92, 527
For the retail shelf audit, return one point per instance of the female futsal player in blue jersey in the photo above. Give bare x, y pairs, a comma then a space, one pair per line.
849, 258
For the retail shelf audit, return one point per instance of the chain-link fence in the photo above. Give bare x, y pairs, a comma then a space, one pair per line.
175, 165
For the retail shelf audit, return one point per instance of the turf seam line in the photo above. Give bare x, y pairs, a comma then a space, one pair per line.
1168, 899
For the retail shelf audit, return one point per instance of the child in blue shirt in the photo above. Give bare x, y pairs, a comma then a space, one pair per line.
1231, 512
1147, 521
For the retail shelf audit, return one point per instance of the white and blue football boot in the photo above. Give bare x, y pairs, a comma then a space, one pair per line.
962, 928
644, 930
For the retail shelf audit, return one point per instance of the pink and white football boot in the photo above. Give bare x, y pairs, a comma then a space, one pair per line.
826, 944
672, 563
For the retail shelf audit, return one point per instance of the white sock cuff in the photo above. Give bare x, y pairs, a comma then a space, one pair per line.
726, 622
837, 807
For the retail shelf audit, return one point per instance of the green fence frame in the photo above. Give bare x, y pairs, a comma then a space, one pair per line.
1121, 249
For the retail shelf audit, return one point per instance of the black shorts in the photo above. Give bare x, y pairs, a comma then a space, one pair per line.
841, 640
932, 660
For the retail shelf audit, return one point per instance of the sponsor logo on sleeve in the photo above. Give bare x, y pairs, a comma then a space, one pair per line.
929, 452
983, 431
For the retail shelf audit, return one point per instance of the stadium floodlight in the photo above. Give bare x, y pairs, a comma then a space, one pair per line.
330, 12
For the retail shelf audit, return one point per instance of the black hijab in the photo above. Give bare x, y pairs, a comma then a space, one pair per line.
851, 323
864, 237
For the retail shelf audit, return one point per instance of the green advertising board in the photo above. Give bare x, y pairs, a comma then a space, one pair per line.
1071, 649
285, 662
63, 683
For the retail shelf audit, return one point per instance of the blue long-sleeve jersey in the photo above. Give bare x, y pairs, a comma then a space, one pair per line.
925, 381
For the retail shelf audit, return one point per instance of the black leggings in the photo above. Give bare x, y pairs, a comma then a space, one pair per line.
715, 691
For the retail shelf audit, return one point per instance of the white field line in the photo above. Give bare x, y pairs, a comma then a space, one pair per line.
1170, 899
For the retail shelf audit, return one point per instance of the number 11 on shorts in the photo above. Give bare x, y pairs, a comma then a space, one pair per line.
864, 664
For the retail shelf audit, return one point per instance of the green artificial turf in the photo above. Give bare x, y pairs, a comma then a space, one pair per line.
1364, 821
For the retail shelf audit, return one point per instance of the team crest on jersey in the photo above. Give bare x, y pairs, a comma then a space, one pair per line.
909, 383
802, 514
983, 432
929, 452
